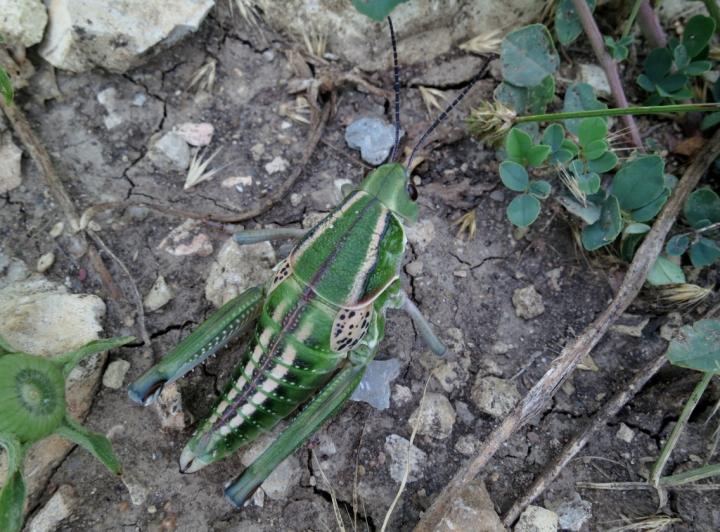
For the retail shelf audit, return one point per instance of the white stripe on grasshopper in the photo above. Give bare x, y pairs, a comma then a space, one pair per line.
370, 258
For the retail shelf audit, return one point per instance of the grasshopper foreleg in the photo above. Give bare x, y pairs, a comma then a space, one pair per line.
423, 325
253, 236
229, 321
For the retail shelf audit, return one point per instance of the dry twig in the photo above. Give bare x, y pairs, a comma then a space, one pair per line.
563, 365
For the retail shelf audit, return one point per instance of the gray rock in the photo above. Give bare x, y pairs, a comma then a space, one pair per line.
373, 137
573, 514
450, 73
420, 234
238, 268
283, 478
473, 509
414, 268
56, 510
115, 374
10, 156
170, 152
537, 519
159, 295
374, 388
400, 452
22, 22
466, 445
625, 433
528, 303
436, 419
494, 396
595, 76
83, 34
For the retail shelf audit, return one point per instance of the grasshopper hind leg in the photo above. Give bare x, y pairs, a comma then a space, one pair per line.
230, 321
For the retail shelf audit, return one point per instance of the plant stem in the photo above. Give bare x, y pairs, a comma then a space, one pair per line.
693, 475
650, 26
598, 45
640, 110
631, 18
692, 402
714, 11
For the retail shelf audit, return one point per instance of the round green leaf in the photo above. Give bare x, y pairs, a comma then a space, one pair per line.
710, 120
677, 245
665, 271
649, 211
517, 144
580, 97
602, 164
606, 229
537, 154
512, 96
702, 208
589, 183
591, 129
376, 9
588, 213
567, 24
528, 56
697, 347
697, 34
561, 156
646, 83
541, 95
658, 64
629, 244
514, 176
704, 252
523, 210
540, 189
553, 136
595, 149
639, 182
698, 67
636, 229
681, 57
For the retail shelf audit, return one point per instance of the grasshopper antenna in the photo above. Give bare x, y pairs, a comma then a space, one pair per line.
444, 115
396, 88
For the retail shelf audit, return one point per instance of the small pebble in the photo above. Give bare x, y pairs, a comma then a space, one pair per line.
45, 262
115, 374
57, 230
625, 433
278, 164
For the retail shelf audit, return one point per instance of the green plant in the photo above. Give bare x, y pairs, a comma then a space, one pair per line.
619, 49
32, 402
702, 213
6, 88
667, 71
376, 9
567, 23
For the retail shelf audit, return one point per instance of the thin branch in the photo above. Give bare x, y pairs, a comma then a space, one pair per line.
606, 62
650, 26
561, 368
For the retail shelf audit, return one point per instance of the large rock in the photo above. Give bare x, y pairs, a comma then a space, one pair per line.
10, 169
42, 318
22, 22
425, 28
118, 35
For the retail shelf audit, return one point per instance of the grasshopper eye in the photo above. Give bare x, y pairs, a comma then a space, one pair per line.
412, 191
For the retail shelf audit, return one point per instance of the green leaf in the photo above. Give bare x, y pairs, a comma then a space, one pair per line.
664, 272
97, 444
513, 97
639, 182
677, 245
528, 56
595, 149
589, 183
517, 144
649, 211
537, 154
523, 210
697, 34
710, 120
540, 189
698, 67
697, 347
704, 252
672, 84
514, 176
636, 229
606, 229
6, 88
553, 136
571, 147
12, 500
681, 57
702, 208
629, 244
591, 129
567, 24
588, 213
560, 157
646, 83
541, 95
605, 163
580, 97
67, 361
376, 9
658, 64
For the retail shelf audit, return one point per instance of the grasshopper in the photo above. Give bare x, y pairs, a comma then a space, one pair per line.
321, 319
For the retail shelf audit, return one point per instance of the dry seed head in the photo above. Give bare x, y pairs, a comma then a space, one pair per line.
684, 294
297, 111
466, 224
485, 43
315, 41
431, 98
198, 170
204, 76
572, 184
491, 122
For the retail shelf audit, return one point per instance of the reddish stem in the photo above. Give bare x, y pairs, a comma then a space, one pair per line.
596, 41
650, 25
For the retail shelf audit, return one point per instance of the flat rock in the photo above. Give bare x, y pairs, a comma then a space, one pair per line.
437, 417
373, 137
159, 295
473, 509
22, 22
397, 447
170, 152
114, 375
537, 519
374, 388
238, 268
494, 396
10, 156
450, 73
56, 510
68, 322
83, 34
528, 303
574, 513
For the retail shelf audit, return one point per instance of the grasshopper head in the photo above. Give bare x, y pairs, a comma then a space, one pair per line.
390, 183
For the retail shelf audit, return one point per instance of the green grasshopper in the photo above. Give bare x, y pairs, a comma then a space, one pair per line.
320, 322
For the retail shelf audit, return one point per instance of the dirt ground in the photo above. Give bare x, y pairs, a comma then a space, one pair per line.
466, 285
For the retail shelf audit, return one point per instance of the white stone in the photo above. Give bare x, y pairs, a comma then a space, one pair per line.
238, 268
196, 134
115, 374
186, 239
108, 99
574, 514
625, 433
58, 508
436, 419
400, 452
83, 34
537, 519
45, 262
595, 76
159, 295
421, 234
374, 388
170, 152
528, 303
22, 22
278, 164
10, 156
494, 396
